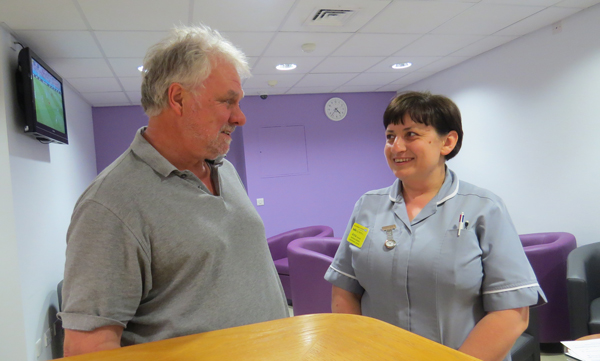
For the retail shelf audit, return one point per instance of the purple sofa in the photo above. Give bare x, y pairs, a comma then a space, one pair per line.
547, 253
278, 246
309, 259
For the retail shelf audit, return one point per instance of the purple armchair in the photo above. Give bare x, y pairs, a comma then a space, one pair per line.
278, 246
547, 253
309, 260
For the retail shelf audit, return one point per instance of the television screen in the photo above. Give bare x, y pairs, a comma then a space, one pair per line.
41, 97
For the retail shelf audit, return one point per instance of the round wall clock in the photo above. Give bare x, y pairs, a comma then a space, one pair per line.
336, 109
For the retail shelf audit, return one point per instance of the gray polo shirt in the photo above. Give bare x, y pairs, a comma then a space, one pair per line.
149, 248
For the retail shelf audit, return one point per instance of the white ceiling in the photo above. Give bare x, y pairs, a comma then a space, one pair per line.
97, 45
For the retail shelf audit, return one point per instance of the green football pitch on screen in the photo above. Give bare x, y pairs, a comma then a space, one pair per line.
48, 106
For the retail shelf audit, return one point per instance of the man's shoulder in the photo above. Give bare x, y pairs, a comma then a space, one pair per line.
116, 182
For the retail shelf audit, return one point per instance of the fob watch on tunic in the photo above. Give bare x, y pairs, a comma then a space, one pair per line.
336, 109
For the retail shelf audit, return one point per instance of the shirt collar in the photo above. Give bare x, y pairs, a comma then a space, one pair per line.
143, 149
448, 190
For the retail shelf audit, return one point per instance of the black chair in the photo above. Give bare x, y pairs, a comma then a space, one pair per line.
583, 290
60, 332
59, 294
527, 346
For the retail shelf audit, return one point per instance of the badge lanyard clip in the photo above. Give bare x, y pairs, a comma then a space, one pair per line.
390, 242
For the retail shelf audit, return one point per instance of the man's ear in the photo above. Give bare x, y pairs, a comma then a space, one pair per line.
175, 98
449, 142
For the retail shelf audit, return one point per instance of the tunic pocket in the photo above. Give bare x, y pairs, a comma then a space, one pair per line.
460, 270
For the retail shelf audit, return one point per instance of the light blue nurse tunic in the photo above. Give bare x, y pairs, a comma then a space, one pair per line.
435, 282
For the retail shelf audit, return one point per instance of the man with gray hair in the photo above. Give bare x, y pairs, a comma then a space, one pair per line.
165, 241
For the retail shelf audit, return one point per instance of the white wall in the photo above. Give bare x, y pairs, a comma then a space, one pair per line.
12, 332
531, 116
46, 182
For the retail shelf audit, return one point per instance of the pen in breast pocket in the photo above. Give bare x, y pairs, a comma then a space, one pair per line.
461, 222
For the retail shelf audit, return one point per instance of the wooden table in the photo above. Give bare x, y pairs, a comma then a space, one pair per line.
328, 337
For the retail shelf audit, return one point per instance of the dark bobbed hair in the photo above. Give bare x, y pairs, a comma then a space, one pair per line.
425, 108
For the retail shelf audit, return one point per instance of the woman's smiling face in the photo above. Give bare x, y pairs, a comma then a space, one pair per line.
414, 151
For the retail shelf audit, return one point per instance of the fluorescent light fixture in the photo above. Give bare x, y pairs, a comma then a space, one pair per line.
285, 66
141, 68
401, 65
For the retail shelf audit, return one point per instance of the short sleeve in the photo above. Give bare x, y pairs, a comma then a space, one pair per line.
341, 273
508, 281
107, 272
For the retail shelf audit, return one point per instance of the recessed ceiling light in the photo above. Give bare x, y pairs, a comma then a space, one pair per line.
401, 65
285, 66
141, 68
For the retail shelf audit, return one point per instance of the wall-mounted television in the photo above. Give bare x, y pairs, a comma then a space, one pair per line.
40, 93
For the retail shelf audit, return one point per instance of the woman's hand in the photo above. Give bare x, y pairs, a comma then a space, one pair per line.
495, 334
343, 301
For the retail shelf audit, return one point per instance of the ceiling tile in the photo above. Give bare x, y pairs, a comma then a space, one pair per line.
125, 67
128, 44
582, 4
523, 2
135, 14
131, 83
80, 68
41, 15
266, 65
414, 77
247, 15
538, 20
437, 45
90, 85
97, 45
341, 64
389, 88
135, 97
483, 45
356, 88
444, 63
304, 10
104, 99
375, 44
252, 61
283, 80
251, 43
325, 79
417, 62
374, 79
61, 44
290, 43
414, 17
486, 19
311, 90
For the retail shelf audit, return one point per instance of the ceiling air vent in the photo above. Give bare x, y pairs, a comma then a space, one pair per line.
330, 17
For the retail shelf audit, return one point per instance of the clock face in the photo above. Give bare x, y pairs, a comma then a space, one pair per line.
336, 109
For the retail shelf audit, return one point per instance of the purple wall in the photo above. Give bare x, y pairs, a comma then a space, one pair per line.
343, 159
114, 129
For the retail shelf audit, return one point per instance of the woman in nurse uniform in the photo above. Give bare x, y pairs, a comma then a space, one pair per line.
433, 254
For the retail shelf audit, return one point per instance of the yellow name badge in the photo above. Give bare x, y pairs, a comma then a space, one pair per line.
357, 235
